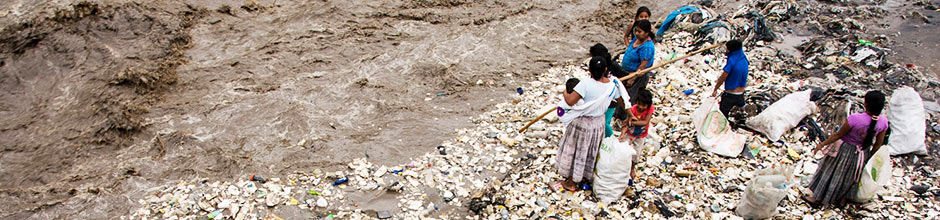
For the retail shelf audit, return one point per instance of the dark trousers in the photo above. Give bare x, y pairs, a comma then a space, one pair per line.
728, 101
638, 84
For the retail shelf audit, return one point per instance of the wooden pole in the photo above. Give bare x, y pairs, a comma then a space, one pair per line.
632, 75
536, 119
637, 73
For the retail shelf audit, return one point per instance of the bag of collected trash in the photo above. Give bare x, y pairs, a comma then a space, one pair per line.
783, 115
764, 191
875, 176
612, 171
906, 118
713, 131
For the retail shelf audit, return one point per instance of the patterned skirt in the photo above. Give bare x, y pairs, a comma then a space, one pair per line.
836, 177
578, 148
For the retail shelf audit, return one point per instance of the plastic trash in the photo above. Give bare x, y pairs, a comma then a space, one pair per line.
906, 117
215, 214
713, 131
257, 178
342, 181
764, 192
875, 176
783, 115
612, 172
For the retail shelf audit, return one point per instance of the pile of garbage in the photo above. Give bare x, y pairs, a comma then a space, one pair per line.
494, 172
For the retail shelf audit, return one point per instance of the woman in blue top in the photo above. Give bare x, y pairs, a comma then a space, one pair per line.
639, 56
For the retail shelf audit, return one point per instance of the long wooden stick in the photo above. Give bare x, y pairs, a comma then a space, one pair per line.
637, 73
632, 75
536, 119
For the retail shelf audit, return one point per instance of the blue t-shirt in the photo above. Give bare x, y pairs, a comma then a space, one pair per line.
633, 56
737, 70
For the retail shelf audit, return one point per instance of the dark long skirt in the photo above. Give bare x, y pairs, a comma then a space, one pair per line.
835, 178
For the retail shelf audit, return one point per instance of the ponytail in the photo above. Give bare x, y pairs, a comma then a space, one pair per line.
874, 103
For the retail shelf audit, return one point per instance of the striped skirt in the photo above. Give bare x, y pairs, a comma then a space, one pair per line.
836, 177
578, 148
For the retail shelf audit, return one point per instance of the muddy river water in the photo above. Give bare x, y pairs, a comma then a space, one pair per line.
104, 100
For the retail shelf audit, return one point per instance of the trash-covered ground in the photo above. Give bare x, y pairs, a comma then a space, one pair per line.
494, 172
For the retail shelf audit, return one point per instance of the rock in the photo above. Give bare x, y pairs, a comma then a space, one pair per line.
920, 189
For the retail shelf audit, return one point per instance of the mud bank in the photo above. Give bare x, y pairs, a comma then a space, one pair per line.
104, 100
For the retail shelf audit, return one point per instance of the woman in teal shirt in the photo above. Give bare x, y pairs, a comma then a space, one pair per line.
638, 56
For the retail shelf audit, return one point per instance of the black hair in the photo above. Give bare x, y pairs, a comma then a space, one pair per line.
598, 67
874, 103
600, 50
644, 97
733, 45
647, 27
642, 9
637, 16
570, 84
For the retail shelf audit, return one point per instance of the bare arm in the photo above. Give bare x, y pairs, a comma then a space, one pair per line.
626, 37
842, 132
721, 81
642, 121
572, 98
878, 142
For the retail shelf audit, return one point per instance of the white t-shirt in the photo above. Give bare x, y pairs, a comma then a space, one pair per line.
591, 89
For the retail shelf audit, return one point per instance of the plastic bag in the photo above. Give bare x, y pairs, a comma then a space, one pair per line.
906, 117
783, 115
713, 132
612, 171
875, 176
764, 191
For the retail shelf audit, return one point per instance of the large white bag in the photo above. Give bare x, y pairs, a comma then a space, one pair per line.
875, 176
783, 115
612, 171
906, 118
713, 132
764, 191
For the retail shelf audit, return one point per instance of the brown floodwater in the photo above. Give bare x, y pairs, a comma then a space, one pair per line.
104, 101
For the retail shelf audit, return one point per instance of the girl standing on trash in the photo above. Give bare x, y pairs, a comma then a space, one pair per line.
638, 56
584, 127
638, 126
836, 179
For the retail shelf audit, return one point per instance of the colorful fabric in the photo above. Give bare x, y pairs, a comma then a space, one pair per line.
633, 56
672, 16
837, 177
859, 122
640, 131
578, 148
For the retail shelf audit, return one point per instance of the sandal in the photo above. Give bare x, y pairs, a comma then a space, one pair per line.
811, 204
